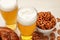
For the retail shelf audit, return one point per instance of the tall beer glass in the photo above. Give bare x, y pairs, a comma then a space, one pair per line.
27, 22
9, 12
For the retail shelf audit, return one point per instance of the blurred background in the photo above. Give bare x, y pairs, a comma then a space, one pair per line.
41, 5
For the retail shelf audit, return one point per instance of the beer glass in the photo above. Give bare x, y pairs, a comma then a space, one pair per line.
27, 22
9, 11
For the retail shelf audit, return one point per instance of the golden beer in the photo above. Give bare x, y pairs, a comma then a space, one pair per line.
9, 11
27, 30
27, 22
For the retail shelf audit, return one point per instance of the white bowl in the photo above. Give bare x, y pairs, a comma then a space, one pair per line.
46, 31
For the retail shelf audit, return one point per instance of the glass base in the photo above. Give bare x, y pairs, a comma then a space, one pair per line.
26, 37
13, 26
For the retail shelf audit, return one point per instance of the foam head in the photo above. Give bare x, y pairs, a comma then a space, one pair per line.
27, 16
7, 5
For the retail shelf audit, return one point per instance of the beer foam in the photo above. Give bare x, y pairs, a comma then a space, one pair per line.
27, 16
7, 5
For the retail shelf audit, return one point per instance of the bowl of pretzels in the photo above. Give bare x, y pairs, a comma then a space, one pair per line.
46, 22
